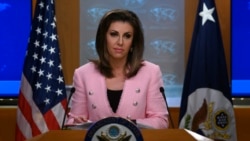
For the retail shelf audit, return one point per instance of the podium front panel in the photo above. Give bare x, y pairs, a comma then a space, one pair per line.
148, 135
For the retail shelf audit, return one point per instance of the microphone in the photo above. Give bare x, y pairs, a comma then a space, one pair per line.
163, 94
72, 90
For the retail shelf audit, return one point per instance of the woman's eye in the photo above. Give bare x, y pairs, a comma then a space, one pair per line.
113, 33
127, 36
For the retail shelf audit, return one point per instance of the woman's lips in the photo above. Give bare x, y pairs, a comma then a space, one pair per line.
118, 50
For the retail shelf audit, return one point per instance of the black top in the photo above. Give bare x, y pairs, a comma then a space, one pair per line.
114, 97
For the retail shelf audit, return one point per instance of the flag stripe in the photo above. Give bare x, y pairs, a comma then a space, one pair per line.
27, 113
51, 120
19, 133
22, 123
59, 110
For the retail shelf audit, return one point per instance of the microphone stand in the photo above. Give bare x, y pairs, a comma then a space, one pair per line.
72, 90
163, 94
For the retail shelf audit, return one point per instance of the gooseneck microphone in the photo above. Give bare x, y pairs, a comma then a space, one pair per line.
72, 90
163, 94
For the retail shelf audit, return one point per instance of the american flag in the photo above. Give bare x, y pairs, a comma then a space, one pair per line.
42, 98
206, 105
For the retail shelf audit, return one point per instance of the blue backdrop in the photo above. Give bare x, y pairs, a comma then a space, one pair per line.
15, 17
240, 50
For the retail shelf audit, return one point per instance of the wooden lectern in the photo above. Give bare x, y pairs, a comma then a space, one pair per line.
148, 135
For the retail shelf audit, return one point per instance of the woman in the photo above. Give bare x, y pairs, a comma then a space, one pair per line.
119, 83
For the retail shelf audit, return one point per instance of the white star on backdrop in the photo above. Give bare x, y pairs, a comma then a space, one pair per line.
206, 14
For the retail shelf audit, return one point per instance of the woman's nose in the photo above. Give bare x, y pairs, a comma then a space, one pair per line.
120, 41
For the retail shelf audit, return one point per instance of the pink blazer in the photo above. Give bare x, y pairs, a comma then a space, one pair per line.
141, 98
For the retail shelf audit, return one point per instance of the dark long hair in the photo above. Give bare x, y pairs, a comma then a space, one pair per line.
134, 59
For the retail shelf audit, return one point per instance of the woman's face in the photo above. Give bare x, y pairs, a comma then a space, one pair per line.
119, 40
